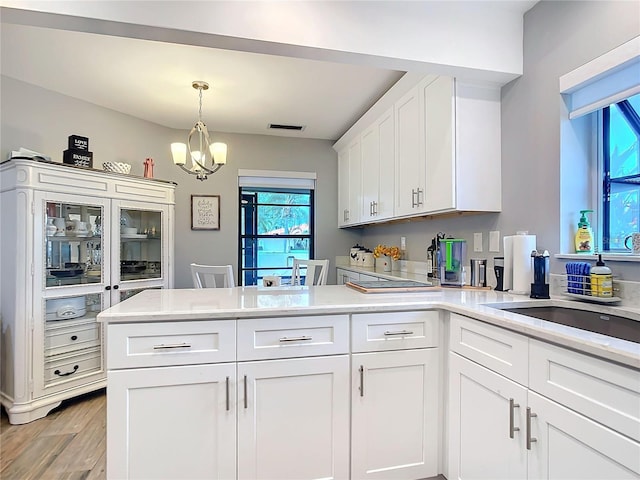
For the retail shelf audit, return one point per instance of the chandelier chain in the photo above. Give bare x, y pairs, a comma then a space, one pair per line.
200, 109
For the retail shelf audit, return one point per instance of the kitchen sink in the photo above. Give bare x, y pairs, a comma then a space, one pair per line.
603, 323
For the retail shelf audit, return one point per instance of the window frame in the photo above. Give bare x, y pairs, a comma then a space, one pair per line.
243, 237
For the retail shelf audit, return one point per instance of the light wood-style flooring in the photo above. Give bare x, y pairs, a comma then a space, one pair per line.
69, 443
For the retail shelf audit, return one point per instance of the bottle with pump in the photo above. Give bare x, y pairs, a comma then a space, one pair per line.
584, 235
601, 280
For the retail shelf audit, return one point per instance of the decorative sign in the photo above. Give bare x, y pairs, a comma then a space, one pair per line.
205, 212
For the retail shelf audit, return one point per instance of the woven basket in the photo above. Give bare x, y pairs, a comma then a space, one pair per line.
116, 167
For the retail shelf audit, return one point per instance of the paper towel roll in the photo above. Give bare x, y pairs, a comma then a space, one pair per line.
507, 282
523, 245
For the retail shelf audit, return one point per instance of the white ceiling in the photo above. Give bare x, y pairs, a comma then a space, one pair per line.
152, 80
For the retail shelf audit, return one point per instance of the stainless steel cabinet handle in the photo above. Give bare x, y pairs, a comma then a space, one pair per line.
420, 197
530, 439
171, 345
245, 392
302, 338
413, 198
361, 370
375, 208
397, 332
227, 393
512, 428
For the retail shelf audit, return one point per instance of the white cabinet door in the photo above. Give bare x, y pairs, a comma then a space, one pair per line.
370, 144
409, 165
569, 445
378, 157
172, 422
349, 184
395, 414
343, 187
439, 105
345, 276
486, 423
355, 182
293, 419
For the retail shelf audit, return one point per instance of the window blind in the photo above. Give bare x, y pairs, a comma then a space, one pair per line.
276, 179
608, 79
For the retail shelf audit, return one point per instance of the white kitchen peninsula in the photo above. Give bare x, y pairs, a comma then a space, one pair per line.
310, 382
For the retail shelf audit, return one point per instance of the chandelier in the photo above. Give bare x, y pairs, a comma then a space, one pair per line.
215, 154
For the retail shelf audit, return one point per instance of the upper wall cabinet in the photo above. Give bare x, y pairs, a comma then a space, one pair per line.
349, 184
444, 138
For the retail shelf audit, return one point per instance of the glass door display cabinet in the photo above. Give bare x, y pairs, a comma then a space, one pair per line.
71, 255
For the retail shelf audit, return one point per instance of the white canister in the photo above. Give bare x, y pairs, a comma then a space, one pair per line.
366, 259
353, 256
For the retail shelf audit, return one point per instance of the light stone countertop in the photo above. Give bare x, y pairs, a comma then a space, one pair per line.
155, 305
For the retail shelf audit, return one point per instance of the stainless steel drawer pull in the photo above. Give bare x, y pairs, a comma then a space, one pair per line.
227, 393
245, 392
171, 345
512, 428
396, 333
361, 370
302, 338
530, 439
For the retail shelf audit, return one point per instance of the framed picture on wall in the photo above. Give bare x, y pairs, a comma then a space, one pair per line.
205, 212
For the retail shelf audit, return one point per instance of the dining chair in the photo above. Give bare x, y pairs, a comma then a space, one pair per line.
316, 272
204, 276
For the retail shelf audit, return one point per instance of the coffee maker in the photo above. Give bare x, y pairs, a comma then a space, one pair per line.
451, 257
540, 269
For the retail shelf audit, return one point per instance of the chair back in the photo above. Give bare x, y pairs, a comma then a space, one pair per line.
204, 276
316, 272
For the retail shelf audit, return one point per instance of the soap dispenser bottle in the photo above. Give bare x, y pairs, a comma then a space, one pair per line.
584, 235
601, 280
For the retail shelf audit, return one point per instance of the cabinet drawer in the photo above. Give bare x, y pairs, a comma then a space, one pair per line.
67, 338
171, 343
69, 367
270, 338
374, 332
496, 348
603, 391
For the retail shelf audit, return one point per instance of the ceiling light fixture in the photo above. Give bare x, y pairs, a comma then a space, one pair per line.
215, 153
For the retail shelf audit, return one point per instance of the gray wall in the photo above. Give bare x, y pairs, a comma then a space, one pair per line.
42, 120
558, 37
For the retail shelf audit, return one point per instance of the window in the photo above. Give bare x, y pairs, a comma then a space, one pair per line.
276, 223
621, 172
599, 132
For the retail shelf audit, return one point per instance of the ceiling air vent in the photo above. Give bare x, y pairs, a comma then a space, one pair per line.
279, 126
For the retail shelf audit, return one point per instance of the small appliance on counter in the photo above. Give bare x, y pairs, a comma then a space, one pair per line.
498, 268
452, 253
432, 255
540, 269
478, 272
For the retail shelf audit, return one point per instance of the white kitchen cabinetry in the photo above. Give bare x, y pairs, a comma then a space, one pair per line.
501, 425
395, 391
349, 184
171, 410
378, 159
293, 414
462, 147
446, 144
65, 259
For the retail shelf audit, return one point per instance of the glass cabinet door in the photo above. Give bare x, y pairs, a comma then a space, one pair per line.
73, 243
141, 244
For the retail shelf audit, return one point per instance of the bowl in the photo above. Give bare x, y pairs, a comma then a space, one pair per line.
128, 230
116, 167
